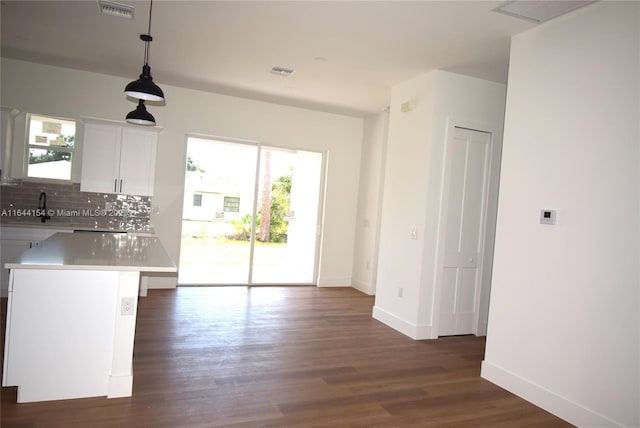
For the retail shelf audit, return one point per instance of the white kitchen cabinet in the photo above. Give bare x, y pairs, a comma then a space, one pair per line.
118, 159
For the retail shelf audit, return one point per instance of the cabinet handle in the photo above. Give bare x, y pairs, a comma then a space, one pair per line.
121, 185
115, 185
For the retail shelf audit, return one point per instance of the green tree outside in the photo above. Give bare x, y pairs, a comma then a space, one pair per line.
280, 208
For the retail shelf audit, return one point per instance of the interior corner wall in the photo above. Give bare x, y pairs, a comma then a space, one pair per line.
71, 93
563, 323
404, 203
420, 112
365, 254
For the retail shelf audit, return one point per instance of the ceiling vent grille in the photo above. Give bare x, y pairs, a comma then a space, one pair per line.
539, 11
115, 9
282, 71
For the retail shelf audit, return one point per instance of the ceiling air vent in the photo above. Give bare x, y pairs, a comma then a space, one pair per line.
539, 10
282, 71
116, 9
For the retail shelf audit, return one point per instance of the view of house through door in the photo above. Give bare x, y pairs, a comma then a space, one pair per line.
466, 182
250, 214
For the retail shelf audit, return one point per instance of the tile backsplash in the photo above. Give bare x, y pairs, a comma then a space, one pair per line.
71, 208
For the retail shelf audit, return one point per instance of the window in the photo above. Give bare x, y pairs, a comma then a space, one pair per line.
197, 200
231, 204
50, 147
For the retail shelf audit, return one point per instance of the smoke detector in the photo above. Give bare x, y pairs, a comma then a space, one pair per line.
115, 9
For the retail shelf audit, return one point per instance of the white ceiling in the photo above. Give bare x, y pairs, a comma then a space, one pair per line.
347, 54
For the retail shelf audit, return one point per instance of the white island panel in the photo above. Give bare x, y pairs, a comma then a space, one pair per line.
71, 314
60, 333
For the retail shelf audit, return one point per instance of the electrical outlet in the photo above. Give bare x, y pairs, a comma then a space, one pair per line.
127, 306
413, 233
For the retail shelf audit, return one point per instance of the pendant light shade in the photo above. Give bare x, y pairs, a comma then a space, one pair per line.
140, 116
144, 88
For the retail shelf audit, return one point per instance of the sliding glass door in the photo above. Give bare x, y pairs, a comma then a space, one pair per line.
287, 216
250, 214
217, 212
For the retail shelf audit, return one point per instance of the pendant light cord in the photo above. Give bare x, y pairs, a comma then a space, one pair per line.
150, 9
148, 38
146, 53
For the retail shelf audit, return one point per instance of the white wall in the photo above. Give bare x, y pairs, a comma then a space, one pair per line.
563, 323
404, 203
365, 254
413, 189
70, 93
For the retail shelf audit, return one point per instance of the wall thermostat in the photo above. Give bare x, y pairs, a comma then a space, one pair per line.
547, 216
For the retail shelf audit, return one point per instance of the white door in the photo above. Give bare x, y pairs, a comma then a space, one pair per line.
465, 200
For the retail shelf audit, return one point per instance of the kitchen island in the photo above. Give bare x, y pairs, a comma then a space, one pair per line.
71, 314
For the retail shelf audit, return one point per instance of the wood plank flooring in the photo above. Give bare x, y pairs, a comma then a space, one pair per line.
286, 357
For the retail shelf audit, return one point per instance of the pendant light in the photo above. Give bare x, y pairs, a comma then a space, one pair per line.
144, 88
140, 116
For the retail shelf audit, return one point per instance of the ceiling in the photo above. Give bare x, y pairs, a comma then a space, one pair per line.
346, 54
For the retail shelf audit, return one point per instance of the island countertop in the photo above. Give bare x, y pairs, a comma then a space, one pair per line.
97, 251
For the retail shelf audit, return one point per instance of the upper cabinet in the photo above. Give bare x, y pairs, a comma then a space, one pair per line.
118, 159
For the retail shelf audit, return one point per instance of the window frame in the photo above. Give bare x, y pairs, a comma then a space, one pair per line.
236, 201
28, 147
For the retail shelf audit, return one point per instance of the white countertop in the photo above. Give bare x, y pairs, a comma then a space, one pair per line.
65, 227
97, 251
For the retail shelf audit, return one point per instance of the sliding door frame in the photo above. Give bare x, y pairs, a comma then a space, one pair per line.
320, 204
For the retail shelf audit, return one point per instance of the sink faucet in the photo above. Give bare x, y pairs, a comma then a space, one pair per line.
42, 207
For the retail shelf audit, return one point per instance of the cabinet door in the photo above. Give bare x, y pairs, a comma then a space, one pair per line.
137, 161
101, 158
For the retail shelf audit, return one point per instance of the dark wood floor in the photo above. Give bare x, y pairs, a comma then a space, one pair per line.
286, 357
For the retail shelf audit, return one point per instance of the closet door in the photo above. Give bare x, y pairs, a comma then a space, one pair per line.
466, 193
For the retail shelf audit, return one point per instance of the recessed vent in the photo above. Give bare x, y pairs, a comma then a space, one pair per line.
539, 10
116, 9
282, 71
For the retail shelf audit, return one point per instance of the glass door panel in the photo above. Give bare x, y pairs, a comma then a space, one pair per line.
217, 212
287, 217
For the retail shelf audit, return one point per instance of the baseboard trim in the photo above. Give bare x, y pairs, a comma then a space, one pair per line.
415, 332
120, 386
544, 398
158, 282
334, 282
364, 287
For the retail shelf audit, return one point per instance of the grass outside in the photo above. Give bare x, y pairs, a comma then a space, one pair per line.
207, 256
207, 251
